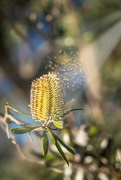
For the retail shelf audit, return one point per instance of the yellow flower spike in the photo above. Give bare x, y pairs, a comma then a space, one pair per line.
46, 98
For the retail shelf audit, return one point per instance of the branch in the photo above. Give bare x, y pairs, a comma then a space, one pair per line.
4, 124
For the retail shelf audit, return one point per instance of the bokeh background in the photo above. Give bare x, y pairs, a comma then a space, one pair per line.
82, 34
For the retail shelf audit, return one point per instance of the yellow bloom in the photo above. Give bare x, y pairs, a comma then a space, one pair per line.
46, 98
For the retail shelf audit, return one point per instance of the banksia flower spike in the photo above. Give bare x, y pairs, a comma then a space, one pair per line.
47, 106
47, 101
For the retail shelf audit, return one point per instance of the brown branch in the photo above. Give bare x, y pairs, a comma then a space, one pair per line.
4, 124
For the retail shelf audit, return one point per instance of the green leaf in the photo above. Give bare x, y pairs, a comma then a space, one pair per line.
76, 109
69, 104
58, 124
23, 130
44, 143
49, 158
93, 131
54, 138
64, 145
51, 135
62, 154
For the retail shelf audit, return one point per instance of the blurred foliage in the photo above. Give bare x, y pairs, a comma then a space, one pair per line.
111, 94
17, 169
99, 9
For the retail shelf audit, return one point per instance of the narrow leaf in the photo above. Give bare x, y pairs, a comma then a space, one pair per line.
76, 109
23, 129
64, 145
69, 104
51, 135
58, 124
62, 154
54, 138
70, 110
44, 143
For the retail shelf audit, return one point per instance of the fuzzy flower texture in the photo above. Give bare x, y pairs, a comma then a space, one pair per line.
46, 99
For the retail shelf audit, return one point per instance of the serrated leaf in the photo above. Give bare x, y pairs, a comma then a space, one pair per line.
69, 104
44, 143
64, 145
58, 124
23, 129
62, 154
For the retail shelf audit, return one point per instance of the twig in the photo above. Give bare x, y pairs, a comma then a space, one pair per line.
4, 123
30, 137
16, 121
